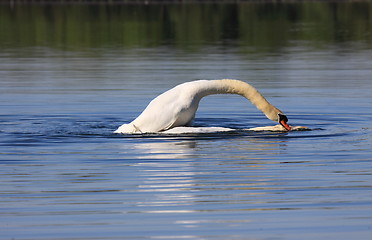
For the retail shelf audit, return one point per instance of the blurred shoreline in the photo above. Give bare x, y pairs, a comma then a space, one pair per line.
164, 1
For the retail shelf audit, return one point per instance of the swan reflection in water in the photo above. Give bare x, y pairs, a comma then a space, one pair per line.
180, 174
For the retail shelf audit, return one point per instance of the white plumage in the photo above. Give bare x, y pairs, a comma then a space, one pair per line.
177, 106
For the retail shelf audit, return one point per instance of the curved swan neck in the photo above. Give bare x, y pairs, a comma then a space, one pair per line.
231, 86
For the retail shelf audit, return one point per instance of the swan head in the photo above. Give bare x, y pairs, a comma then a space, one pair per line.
282, 119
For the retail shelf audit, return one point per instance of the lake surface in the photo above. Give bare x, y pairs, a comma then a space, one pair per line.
70, 74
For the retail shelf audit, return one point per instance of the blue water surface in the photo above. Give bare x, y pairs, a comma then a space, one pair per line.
65, 175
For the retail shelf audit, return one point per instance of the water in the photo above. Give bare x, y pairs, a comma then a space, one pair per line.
65, 175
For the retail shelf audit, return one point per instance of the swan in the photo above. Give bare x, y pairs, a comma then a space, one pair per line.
177, 106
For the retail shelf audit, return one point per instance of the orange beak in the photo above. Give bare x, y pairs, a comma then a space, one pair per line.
285, 125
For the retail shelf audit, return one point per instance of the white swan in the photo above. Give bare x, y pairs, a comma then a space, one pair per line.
177, 106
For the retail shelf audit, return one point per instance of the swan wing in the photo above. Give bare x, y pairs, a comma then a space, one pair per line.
175, 107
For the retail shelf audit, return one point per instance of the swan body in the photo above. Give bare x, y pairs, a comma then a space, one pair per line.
177, 106
197, 130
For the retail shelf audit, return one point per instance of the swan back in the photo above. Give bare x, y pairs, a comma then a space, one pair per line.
175, 107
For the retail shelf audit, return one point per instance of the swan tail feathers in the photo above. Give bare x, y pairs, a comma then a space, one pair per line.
128, 128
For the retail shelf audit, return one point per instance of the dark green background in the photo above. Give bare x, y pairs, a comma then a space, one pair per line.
253, 26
